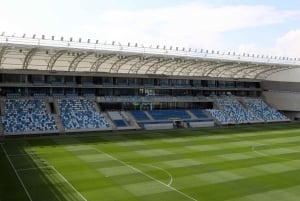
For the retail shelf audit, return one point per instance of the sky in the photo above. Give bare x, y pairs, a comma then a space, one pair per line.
268, 27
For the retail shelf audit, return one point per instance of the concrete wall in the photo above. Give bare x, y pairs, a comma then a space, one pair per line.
283, 100
292, 75
284, 96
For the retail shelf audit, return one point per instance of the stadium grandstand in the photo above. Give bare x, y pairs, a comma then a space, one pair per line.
65, 86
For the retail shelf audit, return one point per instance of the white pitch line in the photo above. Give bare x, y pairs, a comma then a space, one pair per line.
159, 168
18, 176
289, 149
65, 180
33, 168
143, 173
271, 156
14, 155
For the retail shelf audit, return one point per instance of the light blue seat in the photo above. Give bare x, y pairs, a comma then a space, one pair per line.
264, 111
26, 115
236, 111
80, 114
220, 116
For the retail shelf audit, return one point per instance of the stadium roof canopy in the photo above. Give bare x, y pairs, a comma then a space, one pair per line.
60, 55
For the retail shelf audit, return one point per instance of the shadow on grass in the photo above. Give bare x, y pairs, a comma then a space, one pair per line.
44, 183
116, 136
37, 180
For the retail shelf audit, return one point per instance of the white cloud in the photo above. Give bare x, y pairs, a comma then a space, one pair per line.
289, 44
194, 25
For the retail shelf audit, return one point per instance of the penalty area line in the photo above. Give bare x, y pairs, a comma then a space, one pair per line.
65, 180
18, 176
145, 174
34, 168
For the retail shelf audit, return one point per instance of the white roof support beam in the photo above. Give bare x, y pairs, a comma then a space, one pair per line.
141, 63
153, 68
2, 53
54, 58
28, 57
74, 64
101, 60
120, 62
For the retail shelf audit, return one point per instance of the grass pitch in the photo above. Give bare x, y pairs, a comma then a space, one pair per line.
241, 163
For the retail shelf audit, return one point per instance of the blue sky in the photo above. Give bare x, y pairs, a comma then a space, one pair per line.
269, 27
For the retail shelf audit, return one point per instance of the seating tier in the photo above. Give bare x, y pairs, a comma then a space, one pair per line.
264, 111
80, 114
26, 115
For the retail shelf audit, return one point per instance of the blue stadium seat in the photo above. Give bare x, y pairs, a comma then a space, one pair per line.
26, 115
220, 116
199, 113
118, 118
139, 115
169, 114
120, 123
264, 111
236, 111
80, 114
